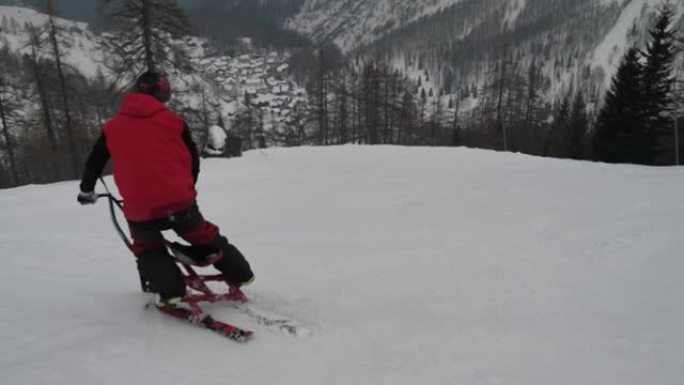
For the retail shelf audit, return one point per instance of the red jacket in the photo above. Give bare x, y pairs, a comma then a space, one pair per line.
155, 163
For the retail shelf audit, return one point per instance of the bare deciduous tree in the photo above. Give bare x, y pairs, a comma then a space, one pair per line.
53, 31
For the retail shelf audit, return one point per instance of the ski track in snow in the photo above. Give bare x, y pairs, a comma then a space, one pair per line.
408, 266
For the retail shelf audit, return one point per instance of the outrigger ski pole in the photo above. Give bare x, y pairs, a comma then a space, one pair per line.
115, 203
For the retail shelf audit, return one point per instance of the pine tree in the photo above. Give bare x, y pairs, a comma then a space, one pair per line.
528, 141
555, 142
246, 122
421, 116
53, 32
455, 123
342, 113
501, 88
436, 121
621, 134
39, 75
320, 93
142, 32
260, 133
658, 84
370, 90
407, 118
6, 111
578, 125
386, 104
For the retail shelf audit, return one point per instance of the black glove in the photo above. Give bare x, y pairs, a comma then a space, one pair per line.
87, 198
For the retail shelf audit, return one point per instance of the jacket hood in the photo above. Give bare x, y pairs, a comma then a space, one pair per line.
140, 105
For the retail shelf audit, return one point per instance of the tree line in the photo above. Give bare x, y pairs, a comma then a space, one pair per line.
369, 102
365, 101
637, 121
50, 113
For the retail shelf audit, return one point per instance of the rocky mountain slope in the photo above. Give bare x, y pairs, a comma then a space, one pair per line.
455, 45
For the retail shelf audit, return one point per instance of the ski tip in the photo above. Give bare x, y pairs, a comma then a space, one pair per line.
239, 335
245, 336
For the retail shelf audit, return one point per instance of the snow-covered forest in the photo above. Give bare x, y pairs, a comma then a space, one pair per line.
536, 77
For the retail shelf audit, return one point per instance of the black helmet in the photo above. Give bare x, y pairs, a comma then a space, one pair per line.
155, 84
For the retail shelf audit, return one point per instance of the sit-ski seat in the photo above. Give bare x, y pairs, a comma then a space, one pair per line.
201, 256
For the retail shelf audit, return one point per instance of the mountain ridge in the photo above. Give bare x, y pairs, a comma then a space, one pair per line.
457, 43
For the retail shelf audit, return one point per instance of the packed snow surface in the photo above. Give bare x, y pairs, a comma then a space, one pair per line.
405, 265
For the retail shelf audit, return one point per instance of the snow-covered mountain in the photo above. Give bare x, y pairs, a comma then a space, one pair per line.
408, 265
222, 78
71, 9
355, 23
453, 45
81, 48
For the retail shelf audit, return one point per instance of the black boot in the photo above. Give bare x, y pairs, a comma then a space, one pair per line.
164, 276
233, 265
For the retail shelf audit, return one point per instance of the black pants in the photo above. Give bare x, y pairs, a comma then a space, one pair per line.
159, 268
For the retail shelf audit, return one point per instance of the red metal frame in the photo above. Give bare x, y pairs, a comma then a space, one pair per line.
193, 280
198, 283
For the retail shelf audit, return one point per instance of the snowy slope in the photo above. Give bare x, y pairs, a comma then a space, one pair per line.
354, 23
408, 265
457, 43
83, 50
